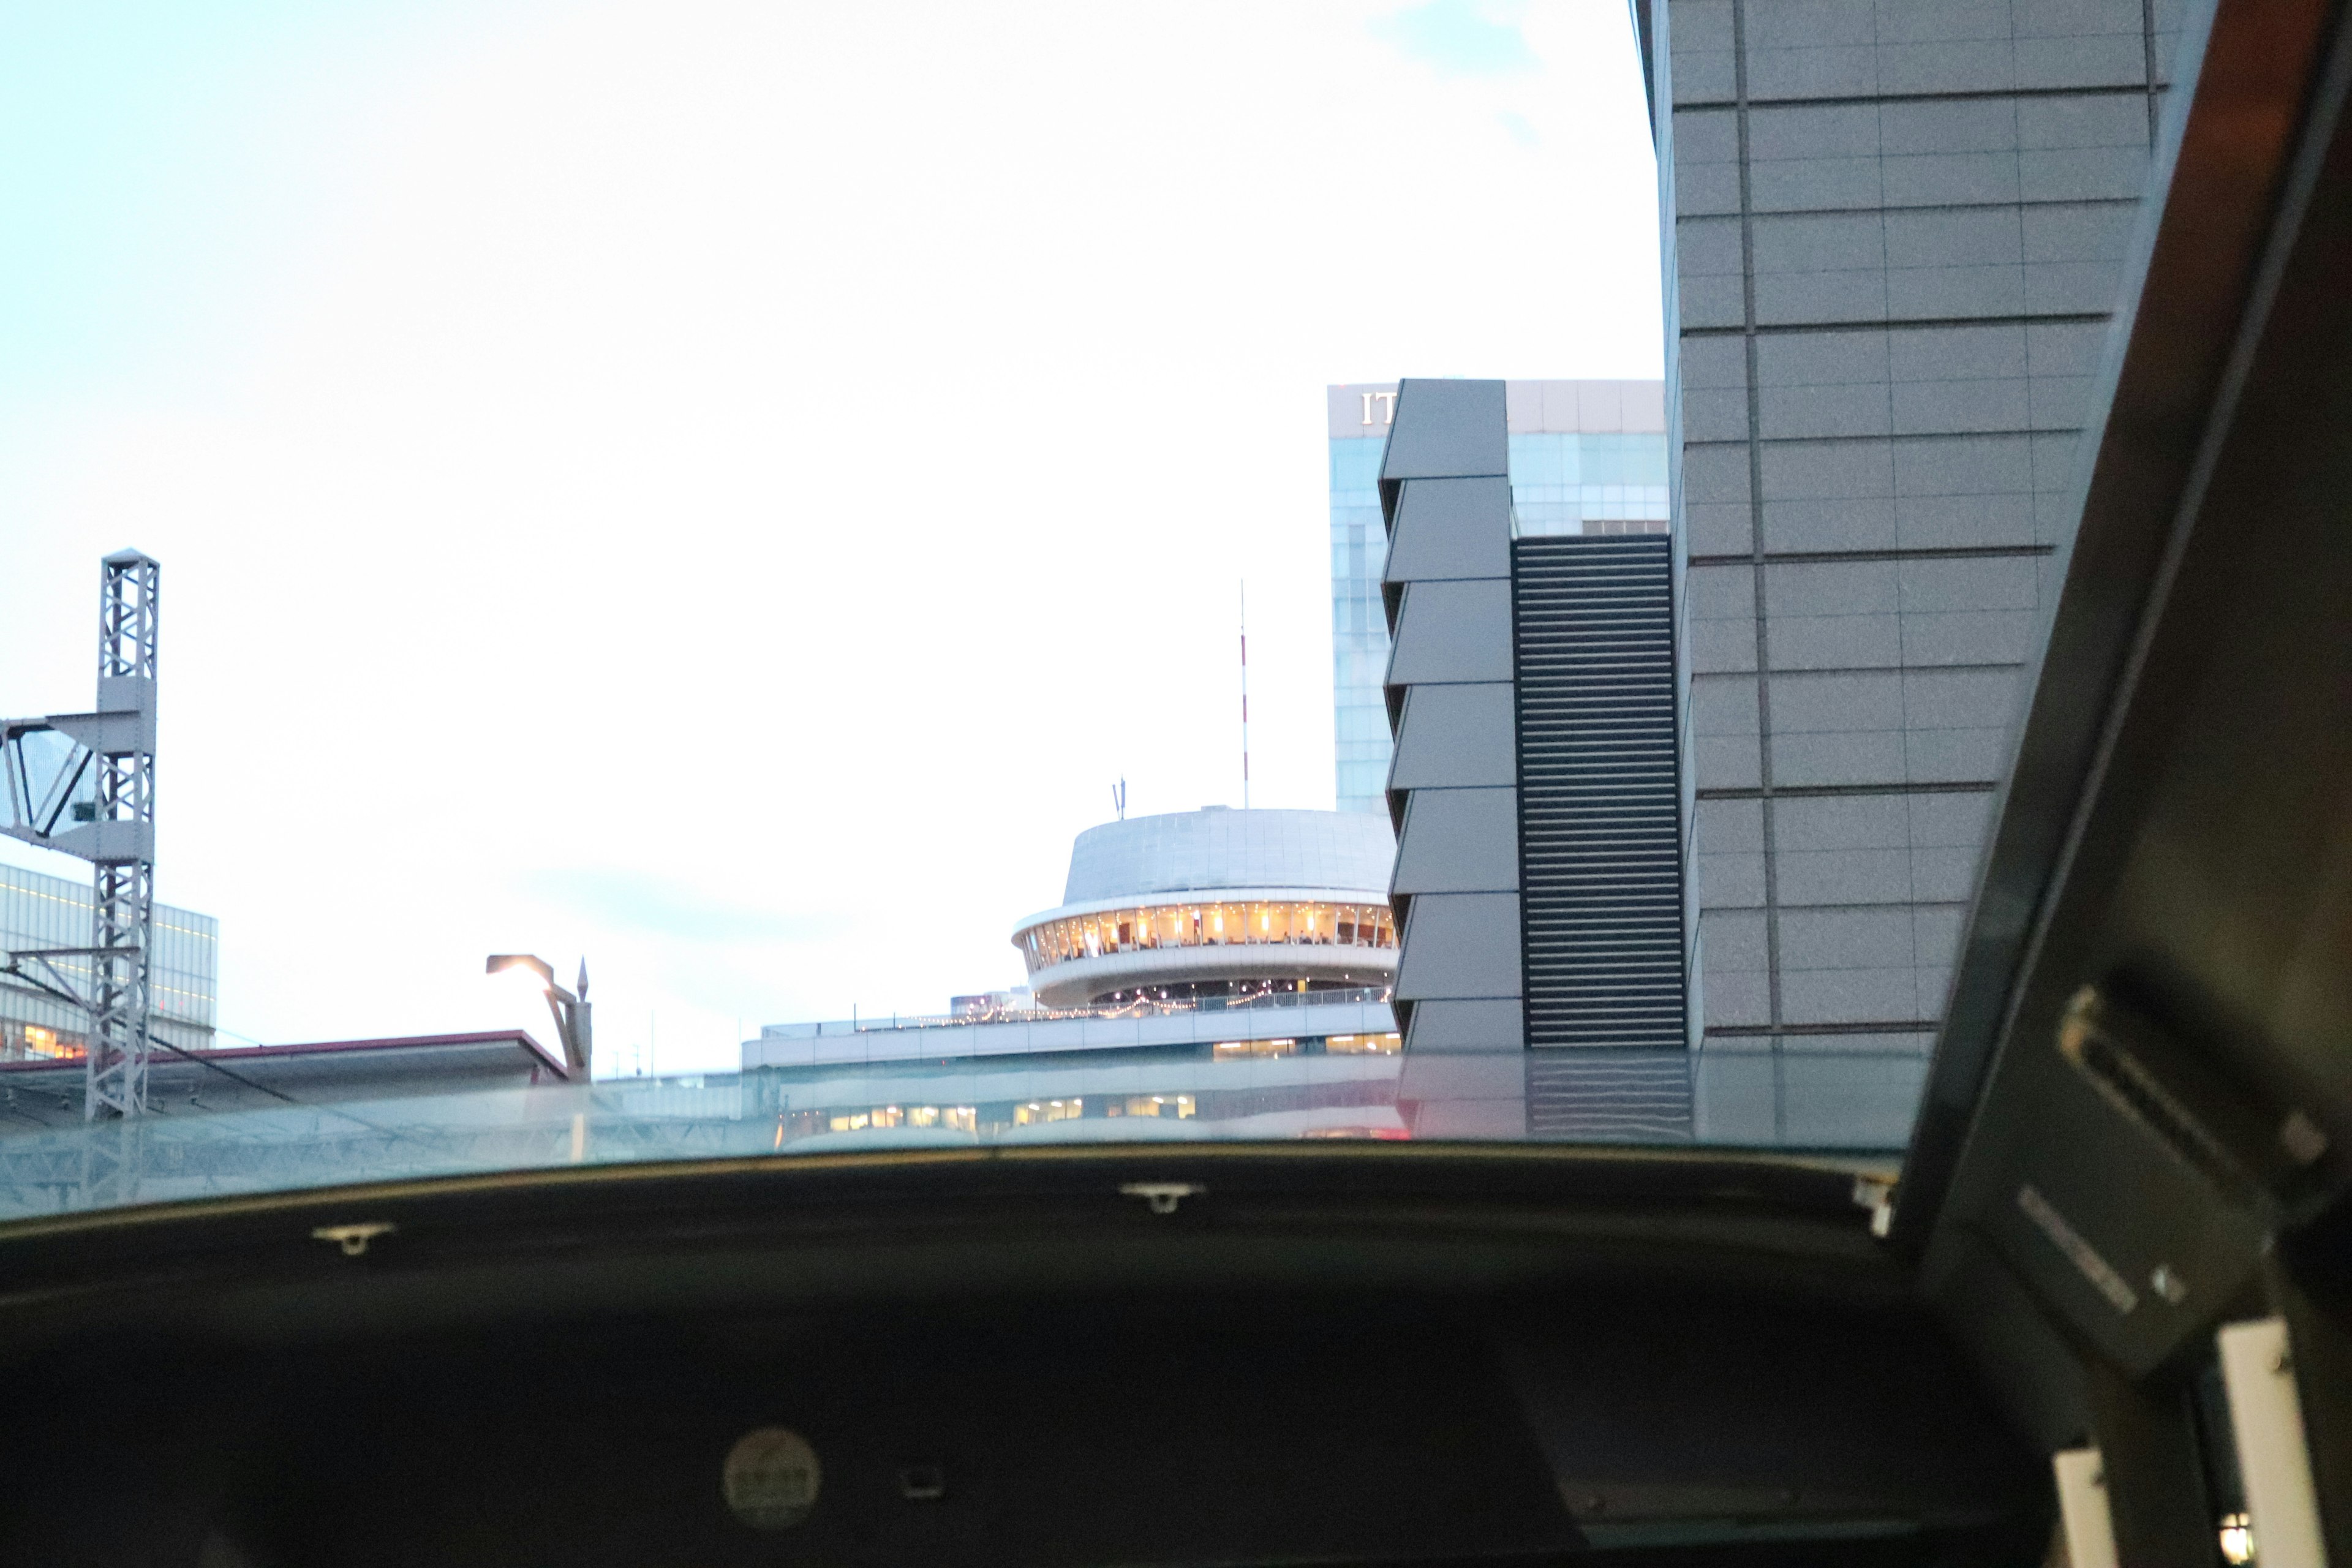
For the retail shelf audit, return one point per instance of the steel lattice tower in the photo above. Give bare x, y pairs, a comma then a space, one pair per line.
123, 926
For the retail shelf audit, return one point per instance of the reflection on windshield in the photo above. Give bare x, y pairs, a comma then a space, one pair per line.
219, 1135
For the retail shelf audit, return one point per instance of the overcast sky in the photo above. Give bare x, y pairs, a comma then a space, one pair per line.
727, 487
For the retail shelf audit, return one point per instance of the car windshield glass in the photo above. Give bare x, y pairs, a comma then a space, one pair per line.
752, 581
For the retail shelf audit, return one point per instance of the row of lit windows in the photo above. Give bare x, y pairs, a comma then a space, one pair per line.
1207, 925
1387, 1045
31, 1042
966, 1118
956, 1118
1178, 1106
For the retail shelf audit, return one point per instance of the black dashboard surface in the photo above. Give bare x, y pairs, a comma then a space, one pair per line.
1325, 1360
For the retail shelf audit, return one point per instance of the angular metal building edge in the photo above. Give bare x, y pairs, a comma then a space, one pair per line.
1453, 783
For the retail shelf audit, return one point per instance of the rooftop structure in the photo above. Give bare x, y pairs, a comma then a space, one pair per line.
1217, 903
316, 1073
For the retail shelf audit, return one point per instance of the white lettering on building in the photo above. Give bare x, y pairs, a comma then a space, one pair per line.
1388, 406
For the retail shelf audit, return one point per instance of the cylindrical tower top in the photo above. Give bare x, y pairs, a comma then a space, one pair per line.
1217, 902
1200, 851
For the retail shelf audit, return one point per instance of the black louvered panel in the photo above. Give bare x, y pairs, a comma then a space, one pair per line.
1609, 1097
1599, 845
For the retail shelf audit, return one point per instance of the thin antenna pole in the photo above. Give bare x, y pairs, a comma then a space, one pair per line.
1245, 694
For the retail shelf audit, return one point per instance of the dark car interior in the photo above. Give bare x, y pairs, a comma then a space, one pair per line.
1314, 1356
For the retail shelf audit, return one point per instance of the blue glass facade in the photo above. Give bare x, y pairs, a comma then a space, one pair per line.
1563, 480
1360, 630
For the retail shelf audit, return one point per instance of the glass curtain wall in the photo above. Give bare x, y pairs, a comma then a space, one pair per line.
1570, 482
1359, 629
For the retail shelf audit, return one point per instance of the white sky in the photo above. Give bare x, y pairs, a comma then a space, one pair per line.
727, 487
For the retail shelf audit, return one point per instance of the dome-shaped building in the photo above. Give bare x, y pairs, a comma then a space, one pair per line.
1217, 902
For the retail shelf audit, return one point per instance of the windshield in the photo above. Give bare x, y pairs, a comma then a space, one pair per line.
786, 579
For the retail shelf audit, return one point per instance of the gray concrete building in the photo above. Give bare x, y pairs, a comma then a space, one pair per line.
1452, 783
1537, 791
1893, 237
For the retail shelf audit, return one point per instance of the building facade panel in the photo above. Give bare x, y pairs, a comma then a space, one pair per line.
1461, 946
1453, 737
1459, 840
1451, 528
1452, 631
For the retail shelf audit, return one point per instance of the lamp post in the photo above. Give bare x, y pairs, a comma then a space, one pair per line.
571, 1010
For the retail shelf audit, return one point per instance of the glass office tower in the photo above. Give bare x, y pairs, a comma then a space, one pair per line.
39, 913
1586, 457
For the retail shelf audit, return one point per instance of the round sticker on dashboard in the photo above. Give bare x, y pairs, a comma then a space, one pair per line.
771, 1478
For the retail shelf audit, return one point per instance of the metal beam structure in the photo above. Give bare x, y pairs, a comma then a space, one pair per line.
124, 900
84, 784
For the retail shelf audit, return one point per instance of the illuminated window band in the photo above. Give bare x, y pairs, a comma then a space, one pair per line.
1385, 1045
1024, 1113
32, 1042
1254, 923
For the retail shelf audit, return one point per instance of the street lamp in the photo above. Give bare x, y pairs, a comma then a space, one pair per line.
571, 1010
